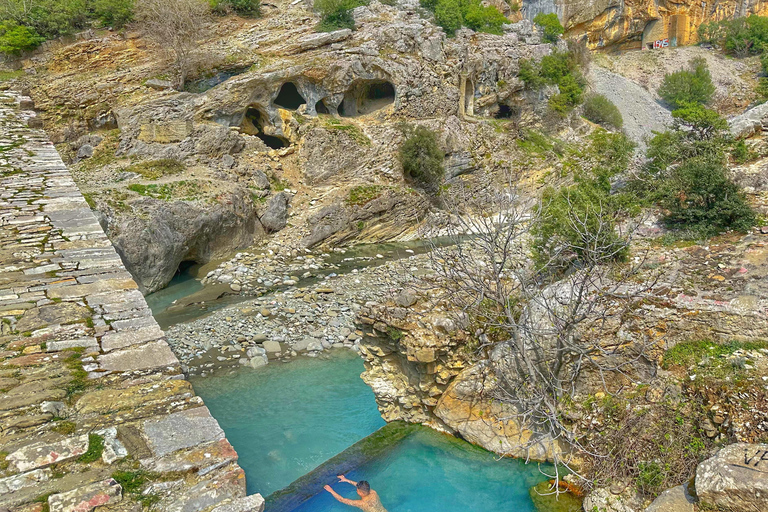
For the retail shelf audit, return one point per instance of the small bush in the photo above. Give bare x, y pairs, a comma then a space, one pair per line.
16, 39
113, 13
484, 19
362, 195
559, 69
451, 15
448, 15
692, 85
421, 158
48, 18
336, 14
248, 8
602, 111
155, 169
550, 26
578, 221
741, 153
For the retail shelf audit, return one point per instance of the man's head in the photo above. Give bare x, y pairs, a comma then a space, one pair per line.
363, 488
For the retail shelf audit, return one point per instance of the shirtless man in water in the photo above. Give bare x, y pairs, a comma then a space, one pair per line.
369, 499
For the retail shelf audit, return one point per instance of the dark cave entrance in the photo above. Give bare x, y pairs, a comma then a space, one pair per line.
253, 124
289, 97
185, 267
320, 108
504, 112
272, 141
367, 97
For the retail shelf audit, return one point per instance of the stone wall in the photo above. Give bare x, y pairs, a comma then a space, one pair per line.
94, 411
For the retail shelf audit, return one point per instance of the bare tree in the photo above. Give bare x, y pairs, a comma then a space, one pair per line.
541, 326
176, 27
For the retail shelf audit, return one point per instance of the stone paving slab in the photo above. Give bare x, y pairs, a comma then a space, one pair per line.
88, 385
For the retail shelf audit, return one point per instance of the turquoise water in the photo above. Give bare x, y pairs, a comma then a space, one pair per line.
286, 419
430, 472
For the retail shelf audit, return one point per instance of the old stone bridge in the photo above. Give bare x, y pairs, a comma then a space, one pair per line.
94, 408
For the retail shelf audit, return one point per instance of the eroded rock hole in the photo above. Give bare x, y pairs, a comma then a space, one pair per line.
320, 108
185, 266
253, 124
272, 141
504, 112
366, 98
289, 97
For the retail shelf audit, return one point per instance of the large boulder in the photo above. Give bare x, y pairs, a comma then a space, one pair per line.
736, 478
276, 216
158, 235
676, 499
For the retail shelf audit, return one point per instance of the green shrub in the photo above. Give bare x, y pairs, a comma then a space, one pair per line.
421, 158
95, 449
484, 19
249, 8
451, 15
448, 15
739, 37
741, 153
602, 111
336, 14
692, 85
113, 13
686, 174
578, 221
550, 26
16, 39
49, 18
559, 69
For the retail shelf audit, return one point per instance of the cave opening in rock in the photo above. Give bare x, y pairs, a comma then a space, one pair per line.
253, 124
185, 266
320, 108
272, 141
289, 97
504, 112
367, 97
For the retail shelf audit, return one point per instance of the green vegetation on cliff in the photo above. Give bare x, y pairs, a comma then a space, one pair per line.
687, 176
693, 85
422, 158
740, 36
550, 26
560, 69
558, 240
451, 15
601, 110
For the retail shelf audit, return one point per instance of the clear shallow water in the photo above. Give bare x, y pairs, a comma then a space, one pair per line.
286, 419
431, 472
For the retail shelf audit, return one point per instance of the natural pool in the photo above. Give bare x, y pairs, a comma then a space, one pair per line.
285, 420
429, 471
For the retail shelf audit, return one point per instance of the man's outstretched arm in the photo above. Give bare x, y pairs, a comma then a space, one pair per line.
342, 478
353, 503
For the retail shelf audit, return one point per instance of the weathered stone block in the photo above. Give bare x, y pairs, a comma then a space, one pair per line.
87, 498
174, 131
181, 430
252, 503
139, 357
13, 483
41, 454
736, 478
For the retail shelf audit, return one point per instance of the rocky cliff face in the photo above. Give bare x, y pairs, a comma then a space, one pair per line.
424, 366
635, 23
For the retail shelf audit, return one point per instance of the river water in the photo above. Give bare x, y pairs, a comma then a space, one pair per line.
287, 419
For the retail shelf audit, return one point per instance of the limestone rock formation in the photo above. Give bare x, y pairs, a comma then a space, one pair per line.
636, 24
160, 235
736, 478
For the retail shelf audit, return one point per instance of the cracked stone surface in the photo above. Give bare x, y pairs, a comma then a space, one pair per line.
88, 384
